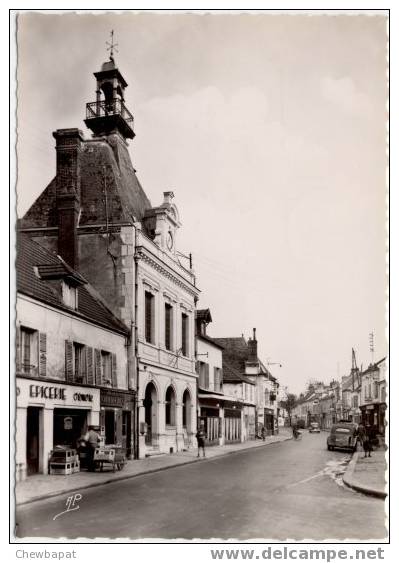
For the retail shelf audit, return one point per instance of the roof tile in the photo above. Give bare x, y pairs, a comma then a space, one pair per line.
30, 255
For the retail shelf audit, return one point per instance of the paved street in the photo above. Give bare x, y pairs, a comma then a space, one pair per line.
290, 490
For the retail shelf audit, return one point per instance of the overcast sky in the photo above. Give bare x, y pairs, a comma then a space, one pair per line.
271, 131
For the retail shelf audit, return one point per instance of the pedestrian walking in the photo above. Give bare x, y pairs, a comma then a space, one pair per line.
367, 441
200, 435
92, 439
263, 433
363, 433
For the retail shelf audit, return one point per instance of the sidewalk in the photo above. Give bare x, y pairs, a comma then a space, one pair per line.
40, 487
367, 474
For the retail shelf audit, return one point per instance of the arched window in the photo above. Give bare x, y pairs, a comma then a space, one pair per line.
170, 407
150, 410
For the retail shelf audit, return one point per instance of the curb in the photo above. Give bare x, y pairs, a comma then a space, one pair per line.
349, 481
144, 472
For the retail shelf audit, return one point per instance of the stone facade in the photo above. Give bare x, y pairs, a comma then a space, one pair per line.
166, 378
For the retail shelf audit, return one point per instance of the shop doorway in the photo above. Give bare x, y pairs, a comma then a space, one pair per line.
127, 432
210, 419
269, 424
186, 418
232, 429
69, 426
32, 440
150, 406
109, 423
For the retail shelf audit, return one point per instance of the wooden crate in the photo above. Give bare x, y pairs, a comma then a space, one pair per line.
59, 468
63, 456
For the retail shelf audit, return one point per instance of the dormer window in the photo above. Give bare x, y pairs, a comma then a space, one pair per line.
69, 295
66, 281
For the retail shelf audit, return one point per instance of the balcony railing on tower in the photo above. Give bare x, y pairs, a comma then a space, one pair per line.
105, 108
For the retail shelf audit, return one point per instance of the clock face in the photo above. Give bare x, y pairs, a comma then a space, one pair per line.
169, 241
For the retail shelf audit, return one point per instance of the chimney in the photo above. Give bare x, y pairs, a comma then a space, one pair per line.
68, 147
253, 348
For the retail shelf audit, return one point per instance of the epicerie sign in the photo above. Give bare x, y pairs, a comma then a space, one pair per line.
33, 392
47, 392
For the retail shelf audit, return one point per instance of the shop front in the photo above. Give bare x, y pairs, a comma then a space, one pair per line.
233, 423
223, 420
50, 413
374, 415
209, 416
117, 418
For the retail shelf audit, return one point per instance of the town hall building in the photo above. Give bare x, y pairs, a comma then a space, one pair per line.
97, 217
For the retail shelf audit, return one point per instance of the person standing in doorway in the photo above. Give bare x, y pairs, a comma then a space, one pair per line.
92, 438
263, 433
201, 439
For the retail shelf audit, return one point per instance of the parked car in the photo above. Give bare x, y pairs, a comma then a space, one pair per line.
343, 435
314, 427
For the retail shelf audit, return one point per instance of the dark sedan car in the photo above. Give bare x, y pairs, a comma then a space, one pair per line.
343, 435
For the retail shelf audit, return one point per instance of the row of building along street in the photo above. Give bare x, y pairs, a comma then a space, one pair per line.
359, 397
109, 329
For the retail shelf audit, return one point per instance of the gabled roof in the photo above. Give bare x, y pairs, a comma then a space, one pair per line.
235, 356
32, 258
230, 375
235, 352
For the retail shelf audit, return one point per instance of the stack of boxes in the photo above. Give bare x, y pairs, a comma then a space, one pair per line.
64, 462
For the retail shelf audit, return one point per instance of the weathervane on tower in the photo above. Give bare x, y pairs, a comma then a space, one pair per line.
111, 46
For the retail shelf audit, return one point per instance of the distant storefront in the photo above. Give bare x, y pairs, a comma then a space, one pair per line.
212, 422
116, 417
374, 415
50, 413
232, 423
222, 419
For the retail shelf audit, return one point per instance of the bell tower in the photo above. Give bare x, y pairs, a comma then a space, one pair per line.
108, 114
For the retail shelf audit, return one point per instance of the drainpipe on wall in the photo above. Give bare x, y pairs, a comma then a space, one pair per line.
136, 346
